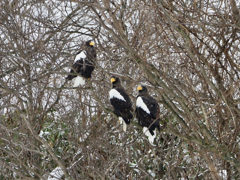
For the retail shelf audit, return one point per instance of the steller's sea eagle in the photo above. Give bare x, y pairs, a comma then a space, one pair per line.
147, 113
84, 64
121, 102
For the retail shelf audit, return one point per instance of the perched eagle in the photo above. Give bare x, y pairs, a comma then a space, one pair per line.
147, 113
121, 102
84, 64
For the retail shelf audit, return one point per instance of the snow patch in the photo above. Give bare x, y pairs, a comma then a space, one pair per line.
56, 174
223, 174
82, 139
113, 93
142, 105
79, 81
152, 173
42, 134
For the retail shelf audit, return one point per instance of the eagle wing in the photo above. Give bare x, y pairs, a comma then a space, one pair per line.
126, 97
121, 103
152, 105
78, 66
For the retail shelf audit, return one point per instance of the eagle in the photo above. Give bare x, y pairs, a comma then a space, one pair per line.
121, 102
147, 113
84, 64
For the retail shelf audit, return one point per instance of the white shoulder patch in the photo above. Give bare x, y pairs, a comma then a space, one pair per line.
142, 105
113, 93
80, 55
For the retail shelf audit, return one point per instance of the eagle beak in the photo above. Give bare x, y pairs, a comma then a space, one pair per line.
113, 80
91, 43
139, 88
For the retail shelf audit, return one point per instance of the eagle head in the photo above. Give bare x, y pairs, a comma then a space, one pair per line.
90, 43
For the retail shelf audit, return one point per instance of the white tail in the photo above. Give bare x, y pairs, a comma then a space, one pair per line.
123, 123
149, 135
79, 81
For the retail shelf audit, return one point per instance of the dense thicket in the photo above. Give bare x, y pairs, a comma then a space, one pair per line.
185, 52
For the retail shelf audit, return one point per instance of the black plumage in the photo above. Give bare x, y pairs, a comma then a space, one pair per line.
84, 66
147, 110
120, 101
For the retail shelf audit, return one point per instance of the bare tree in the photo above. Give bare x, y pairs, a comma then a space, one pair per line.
186, 52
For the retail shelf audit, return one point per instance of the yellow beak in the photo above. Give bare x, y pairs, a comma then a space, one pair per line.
113, 80
91, 43
139, 88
